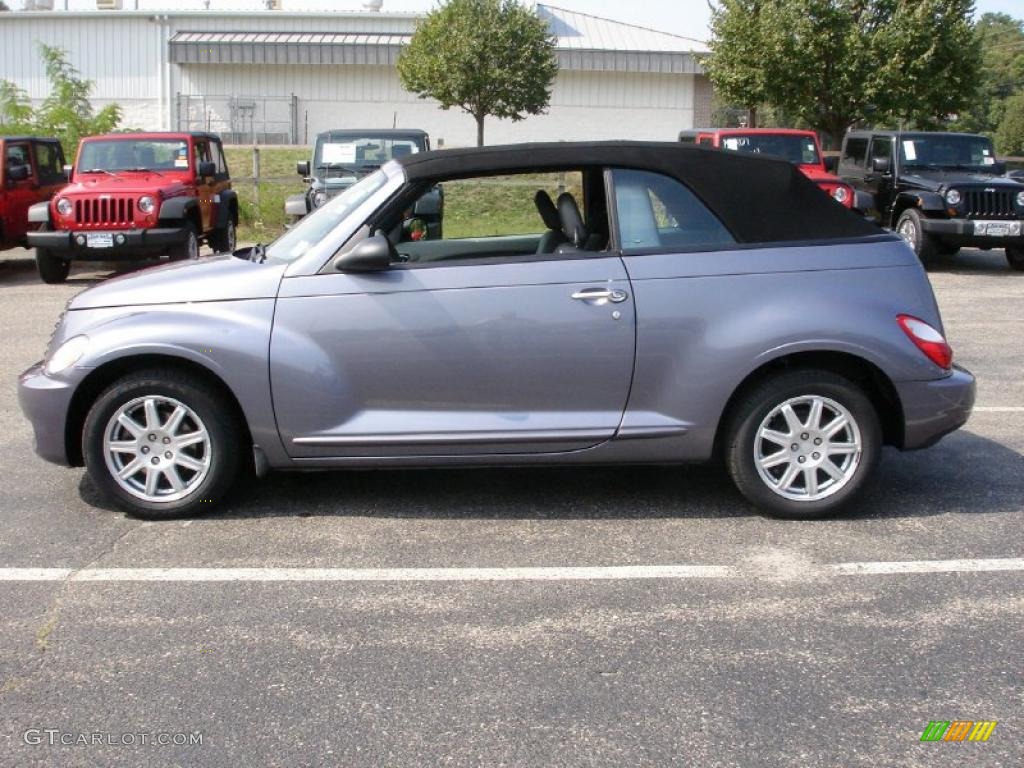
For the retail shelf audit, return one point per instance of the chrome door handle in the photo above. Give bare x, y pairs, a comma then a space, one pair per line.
601, 295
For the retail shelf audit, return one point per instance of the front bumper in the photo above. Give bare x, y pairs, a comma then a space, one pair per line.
933, 409
46, 401
969, 232
137, 242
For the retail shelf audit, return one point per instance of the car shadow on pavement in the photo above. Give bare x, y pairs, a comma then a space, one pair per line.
963, 474
22, 271
972, 261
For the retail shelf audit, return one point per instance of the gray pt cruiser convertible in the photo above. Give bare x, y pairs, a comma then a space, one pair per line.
601, 303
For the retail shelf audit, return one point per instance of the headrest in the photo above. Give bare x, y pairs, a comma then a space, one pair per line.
572, 221
547, 210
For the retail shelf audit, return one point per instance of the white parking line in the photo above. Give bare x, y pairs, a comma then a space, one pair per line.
999, 409
598, 573
929, 566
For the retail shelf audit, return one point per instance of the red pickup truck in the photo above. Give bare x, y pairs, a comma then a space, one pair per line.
797, 146
31, 171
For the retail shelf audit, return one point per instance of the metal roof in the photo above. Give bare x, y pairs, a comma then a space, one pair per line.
581, 31
585, 43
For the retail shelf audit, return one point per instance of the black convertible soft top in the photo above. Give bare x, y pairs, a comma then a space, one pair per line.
759, 199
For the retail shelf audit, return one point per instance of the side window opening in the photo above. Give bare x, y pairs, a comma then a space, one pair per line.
658, 212
18, 154
508, 217
855, 152
49, 163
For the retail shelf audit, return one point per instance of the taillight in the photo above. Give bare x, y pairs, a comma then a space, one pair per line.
928, 340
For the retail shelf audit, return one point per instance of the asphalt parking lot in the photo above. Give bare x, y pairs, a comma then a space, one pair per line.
576, 617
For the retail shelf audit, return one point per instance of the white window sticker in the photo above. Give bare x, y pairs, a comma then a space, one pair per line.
988, 160
733, 144
338, 153
910, 150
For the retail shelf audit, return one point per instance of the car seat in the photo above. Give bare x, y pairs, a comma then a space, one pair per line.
553, 238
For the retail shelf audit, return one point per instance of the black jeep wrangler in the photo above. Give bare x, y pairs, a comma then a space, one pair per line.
343, 157
939, 191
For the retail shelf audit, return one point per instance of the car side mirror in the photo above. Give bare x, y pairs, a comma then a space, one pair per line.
832, 163
18, 172
881, 164
374, 254
68, 171
207, 169
302, 167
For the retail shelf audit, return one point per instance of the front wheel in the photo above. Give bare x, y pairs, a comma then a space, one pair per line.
188, 248
804, 444
910, 227
52, 269
162, 444
1015, 257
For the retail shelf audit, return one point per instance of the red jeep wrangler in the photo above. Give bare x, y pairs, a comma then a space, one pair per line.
798, 147
31, 170
136, 195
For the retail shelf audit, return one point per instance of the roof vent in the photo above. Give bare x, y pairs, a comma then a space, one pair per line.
108, 5
373, 6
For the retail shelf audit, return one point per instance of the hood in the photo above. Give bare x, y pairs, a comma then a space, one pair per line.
126, 183
820, 175
220, 278
937, 181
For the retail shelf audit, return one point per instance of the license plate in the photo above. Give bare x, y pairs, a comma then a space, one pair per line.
99, 240
997, 230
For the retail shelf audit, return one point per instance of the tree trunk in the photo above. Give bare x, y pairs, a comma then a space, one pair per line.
752, 117
480, 130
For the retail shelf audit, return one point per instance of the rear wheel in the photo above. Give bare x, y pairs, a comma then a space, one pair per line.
162, 444
188, 248
803, 444
1015, 257
223, 239
909, 226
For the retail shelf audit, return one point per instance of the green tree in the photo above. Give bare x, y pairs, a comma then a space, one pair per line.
66, 113
487, 57
1010, 136
1001, 39
836, 63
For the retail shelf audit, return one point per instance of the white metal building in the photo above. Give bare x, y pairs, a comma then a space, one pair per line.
281, 77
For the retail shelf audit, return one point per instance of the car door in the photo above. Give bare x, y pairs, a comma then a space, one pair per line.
49, 161
485, 352
21, 194
881, 181
205, 185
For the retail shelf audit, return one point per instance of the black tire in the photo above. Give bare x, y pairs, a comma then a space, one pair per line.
223, 239
754, 408
188, 248
948, 251
1015, 257
52, 268
226, 450
909, 227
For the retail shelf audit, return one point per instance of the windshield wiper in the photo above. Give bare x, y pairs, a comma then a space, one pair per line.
100, 170
144, 170
337, 167
258, 254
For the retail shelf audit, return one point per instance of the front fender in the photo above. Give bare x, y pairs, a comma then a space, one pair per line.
177, 208
39, 213
924, 201
228, 339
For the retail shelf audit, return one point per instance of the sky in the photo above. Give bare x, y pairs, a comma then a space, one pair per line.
688, 18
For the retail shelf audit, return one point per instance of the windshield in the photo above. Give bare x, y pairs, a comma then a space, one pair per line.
360, 154
314, 227
802, 150
946, 151
123, 155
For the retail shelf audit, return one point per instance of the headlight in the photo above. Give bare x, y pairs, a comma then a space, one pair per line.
64, 207
953, 197
840, 194
319, 199
1020, 199
146, 204
69, 353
